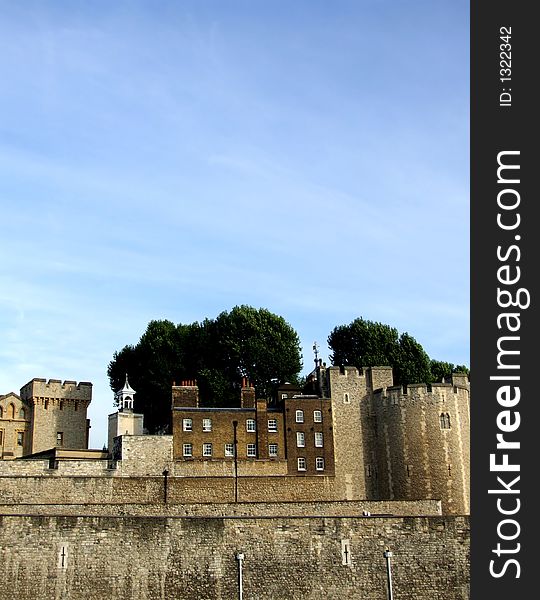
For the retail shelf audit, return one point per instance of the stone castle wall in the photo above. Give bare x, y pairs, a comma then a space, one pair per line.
315, 558
423, 447
59, 413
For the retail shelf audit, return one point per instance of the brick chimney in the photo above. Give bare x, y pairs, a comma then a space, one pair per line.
247, 394
186, 394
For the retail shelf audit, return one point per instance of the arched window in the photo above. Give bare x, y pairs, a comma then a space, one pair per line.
22, 413
11, 411
445, 421
1, 413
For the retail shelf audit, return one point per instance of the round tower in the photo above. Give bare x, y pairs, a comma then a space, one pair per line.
423, 447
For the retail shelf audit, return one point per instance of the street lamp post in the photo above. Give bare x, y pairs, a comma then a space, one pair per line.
388, 555
240, 557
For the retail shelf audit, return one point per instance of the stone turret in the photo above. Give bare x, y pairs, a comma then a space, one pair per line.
124, 421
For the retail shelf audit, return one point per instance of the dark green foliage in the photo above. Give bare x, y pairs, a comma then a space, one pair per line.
245, 342
441, 369
365, 343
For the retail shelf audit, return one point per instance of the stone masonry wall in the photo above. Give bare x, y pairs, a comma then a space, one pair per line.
415, 508
418, 456
144, 558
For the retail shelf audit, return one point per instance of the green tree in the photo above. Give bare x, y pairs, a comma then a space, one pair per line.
441, 369
256, 344
365, 343
245, 342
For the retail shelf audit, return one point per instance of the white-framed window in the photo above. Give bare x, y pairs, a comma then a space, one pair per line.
300, 439
319, 463
272, 450
318, 439
299, 416
272, 425
229, 449
317, 416
252, 450
207, 424
59, 438
250, 425
187, 424
346, 398
207, 449
302, 465
187, 450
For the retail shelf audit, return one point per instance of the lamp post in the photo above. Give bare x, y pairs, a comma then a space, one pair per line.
388, 555
240, 557
165, 475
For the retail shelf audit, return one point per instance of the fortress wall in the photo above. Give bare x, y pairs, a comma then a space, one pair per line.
348, 390
145, 558
57, 408
239, 509
417, 456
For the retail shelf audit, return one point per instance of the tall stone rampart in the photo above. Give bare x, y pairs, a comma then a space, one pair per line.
423, 447
151, 558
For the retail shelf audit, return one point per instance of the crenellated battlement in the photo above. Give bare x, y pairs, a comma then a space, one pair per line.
55, 389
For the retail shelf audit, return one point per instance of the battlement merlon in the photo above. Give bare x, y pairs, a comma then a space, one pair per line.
372, 378
55, 389
420, 390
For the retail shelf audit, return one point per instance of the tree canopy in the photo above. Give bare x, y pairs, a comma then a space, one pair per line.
365, 343
218, 353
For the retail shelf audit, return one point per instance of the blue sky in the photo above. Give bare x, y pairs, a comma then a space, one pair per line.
170, 160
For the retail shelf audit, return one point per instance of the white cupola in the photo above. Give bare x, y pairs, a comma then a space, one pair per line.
124, 397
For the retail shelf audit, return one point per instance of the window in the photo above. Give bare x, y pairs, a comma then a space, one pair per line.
22, 414
207, 449
299, 416
20, 438
251, 450
250, 425
445, 421
346, 398
187, 450
229, 449
319, 463
60, 438
317, 416
302, 466
61, 405
207, 424
318, 439
1, 437
300, 439
11, 411
272, 425
272, 449
46, 404
187, 424
1, 413
369, 471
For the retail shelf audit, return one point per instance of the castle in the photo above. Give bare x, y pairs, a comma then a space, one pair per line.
313, 486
